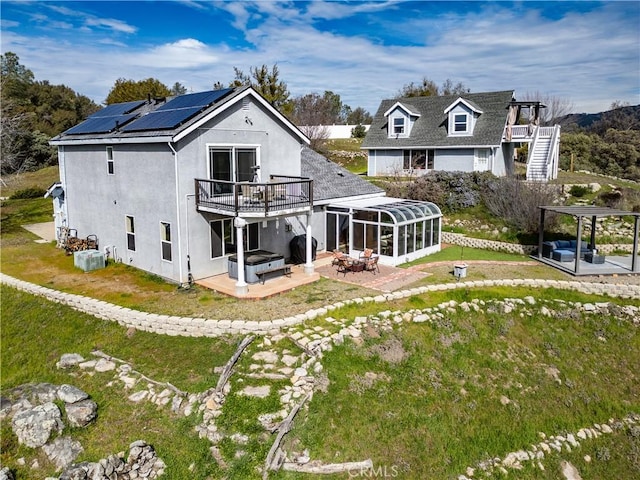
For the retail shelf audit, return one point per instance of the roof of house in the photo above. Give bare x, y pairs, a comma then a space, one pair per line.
331, 181
430, 128
162, 120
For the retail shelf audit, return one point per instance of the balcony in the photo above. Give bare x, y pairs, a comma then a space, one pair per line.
526, 132
282, 195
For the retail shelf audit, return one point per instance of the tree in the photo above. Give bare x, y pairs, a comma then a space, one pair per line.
556, 107
359, 116
428, 88
15, 78
267, 83
129, 90
178, 89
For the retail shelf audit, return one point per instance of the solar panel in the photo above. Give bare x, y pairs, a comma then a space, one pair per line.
117, 109
100, 124
160, 120
189, 100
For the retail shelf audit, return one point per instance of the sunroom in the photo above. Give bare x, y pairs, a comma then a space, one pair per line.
398, 230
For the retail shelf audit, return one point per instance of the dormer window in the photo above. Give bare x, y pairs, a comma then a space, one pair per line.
400, 121
461, 123
463, 116
398, 126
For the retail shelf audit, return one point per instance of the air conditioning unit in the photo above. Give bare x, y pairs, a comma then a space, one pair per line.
88, 260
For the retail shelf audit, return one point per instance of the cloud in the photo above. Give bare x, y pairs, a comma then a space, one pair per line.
89, 20
185, 53
364, 51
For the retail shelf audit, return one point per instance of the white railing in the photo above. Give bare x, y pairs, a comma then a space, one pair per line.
526, 131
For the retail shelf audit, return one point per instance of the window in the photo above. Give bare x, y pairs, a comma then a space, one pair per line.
165, 240
223, 238
431, 159
110, 164
414, 159
460, 123
131, 233
232, 164
398, 126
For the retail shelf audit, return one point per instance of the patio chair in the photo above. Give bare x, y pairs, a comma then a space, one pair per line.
371, 265
343, 263
370, 260
337, 255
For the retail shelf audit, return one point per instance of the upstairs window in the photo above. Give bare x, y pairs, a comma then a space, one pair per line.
460, 123
110, 164
165, 240
398, 126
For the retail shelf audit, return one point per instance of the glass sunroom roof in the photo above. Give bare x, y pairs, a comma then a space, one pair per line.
394, 210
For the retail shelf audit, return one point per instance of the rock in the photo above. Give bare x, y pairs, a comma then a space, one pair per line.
266, 357
569, 471
34, 426
71, 394
6, 474
63, 451
289, 360
504, 400
104, 365
138, 396
262, 391
69, 360
82, 413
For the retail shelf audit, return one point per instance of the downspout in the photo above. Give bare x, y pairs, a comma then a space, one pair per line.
175, 163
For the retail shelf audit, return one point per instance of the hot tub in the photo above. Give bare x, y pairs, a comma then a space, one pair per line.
255, 262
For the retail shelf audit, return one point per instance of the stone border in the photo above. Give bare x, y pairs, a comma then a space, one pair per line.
201, 327
462, 240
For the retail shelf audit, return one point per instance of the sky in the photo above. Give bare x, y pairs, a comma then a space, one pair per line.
583, 53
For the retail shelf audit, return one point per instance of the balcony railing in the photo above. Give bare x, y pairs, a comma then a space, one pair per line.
526, 132
281, 194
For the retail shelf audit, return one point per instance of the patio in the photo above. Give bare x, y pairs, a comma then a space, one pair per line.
591, 261
387, 279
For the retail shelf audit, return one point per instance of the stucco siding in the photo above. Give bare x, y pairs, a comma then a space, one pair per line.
142, 186
278, 154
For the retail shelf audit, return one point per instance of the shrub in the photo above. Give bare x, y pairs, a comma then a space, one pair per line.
31, 192
518, 202
358, 131
579, 191
451, 191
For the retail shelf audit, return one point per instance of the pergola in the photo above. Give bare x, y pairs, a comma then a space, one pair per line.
592, 212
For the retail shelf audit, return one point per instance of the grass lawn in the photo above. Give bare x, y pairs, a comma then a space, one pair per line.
467, 388
422, 400
35, 333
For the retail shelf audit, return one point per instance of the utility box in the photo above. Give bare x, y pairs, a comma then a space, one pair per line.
460, 270
88, 260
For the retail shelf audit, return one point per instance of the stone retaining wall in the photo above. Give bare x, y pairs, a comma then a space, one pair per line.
201, 327
464, 241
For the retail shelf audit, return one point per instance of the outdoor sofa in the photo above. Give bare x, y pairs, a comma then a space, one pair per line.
564, 250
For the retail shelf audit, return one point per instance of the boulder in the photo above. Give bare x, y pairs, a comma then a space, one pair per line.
71, 394
69, 360
81, 413
63, 451
34, 426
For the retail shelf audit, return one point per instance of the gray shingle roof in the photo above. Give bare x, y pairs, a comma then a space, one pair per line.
430, 129
330, 180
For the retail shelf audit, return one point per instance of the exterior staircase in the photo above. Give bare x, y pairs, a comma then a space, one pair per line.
542, 162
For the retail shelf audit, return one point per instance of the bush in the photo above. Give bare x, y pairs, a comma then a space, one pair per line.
31, 192
358, 131
579, 191
451, 191
518, 202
